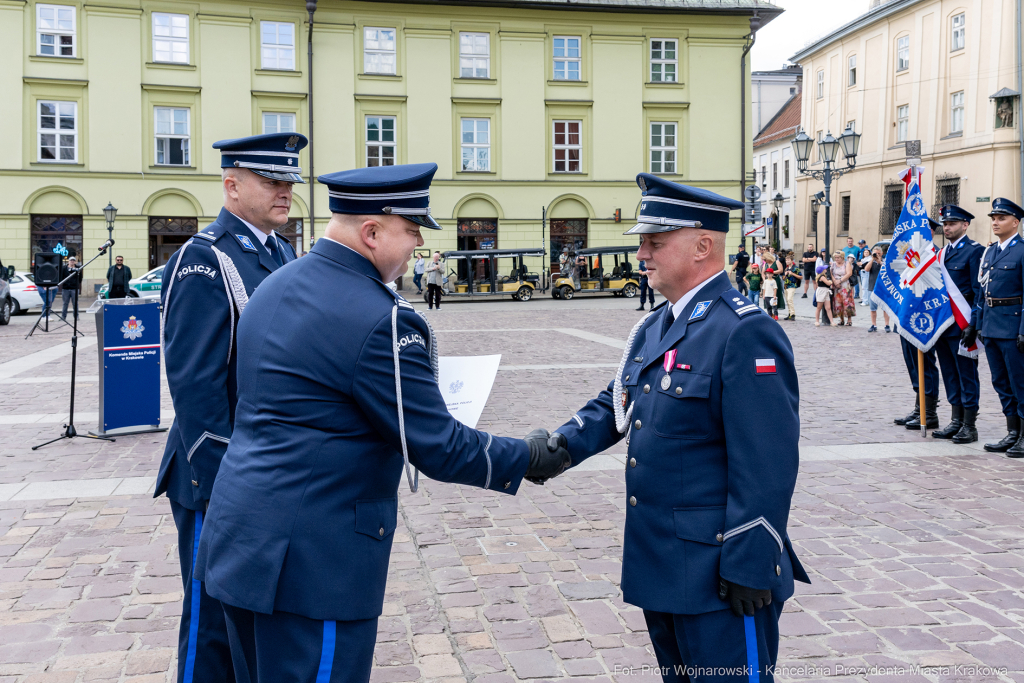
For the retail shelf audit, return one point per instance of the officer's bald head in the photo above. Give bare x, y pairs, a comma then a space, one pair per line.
387, 241
682, 259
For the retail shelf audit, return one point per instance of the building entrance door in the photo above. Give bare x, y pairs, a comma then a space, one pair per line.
166, 235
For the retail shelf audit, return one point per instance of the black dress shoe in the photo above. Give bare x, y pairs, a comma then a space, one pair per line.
1017, 449
1007, 442
951, 430
968, 432
931, 417
640, 309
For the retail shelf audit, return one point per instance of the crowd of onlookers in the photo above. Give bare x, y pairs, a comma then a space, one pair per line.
771, 279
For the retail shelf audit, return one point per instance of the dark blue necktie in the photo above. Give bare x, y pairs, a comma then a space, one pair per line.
274, 252
667, 322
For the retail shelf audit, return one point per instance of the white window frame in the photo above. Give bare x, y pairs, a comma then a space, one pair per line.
668, 157
171, 40
819, 136
956, 114
380, 143
378, 51
820, 88
475, 146
664, 62
851, 71
470, 56
186, 136
279, 116
56, 32
56, 131
958, 35
566, 60
785, 174
271, 53
567, 146
902, 122
902, 53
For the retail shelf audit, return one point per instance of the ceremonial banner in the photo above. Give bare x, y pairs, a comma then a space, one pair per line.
910, 285
465, 383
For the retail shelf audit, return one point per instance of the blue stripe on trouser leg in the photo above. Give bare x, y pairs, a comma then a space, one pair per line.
750, 631
323, 674
197, 594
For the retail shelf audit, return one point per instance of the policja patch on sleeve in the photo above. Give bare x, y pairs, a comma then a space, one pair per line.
409, 339
196, 269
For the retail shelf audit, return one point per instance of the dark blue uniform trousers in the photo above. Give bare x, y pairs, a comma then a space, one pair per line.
959, 373
645, 290
716, 646
1007, 366
203, 652
288, 648
931, 373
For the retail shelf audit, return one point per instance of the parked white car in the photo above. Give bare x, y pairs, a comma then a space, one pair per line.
24, 294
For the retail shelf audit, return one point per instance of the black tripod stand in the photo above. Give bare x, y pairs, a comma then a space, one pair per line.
69, 429
43, 322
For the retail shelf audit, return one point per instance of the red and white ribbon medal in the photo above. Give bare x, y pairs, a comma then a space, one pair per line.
668, 363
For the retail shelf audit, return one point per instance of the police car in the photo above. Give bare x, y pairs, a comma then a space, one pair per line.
145, 287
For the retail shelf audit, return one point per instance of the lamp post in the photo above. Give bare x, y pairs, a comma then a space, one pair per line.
110, 213
829, 147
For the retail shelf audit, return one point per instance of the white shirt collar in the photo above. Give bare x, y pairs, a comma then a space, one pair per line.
677, 307
260, 235
1003, 245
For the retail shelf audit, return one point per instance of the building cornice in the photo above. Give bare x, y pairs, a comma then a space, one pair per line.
867, 19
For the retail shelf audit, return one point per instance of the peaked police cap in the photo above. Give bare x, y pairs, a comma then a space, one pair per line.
951, 213
274, 155
668, 206
402, 190
1005, 206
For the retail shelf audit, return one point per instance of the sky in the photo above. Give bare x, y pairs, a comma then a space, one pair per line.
803, 22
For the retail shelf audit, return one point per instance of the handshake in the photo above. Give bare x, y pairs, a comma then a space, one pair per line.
549, 455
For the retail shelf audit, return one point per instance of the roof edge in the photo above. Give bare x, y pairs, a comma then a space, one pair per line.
767, 12
866, 19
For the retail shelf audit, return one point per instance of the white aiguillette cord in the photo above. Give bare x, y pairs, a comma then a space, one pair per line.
414, 480
622, 415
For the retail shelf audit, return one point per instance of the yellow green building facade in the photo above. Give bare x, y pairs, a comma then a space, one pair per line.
530, 109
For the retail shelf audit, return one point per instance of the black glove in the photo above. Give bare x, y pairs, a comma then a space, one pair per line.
968, 336
742, 599
1020, 343
548, 457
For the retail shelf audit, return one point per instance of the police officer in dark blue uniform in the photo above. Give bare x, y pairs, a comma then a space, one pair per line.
206, 285
1000, 323
962, 257
336, 395
708, 490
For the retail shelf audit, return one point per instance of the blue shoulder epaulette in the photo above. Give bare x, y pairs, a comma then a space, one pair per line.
206, 236
740, 304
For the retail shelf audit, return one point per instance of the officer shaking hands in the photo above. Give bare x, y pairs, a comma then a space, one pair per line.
1000, 323
206, 285
708, 491
336, 396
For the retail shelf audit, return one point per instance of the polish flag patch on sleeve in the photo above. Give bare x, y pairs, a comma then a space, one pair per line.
765, 366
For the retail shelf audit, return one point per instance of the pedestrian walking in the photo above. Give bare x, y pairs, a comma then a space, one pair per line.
118, 278
417, 273
753, 282
770, 293
71, 288
791, 281
823, 295
808, 262
435, 278
646, 291
740, 264
843, 304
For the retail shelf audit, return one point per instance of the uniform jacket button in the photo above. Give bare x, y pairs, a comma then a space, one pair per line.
632, 501
632, 462
626, 378
637, 424
679, 390
195, 483
719, 538
507, 484
647, 388
381, 531
778, 570
637, 359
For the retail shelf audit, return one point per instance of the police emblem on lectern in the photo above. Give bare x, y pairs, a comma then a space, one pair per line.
132, 328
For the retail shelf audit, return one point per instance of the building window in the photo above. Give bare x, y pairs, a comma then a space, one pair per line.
56, 235
947, 191
892, 205
166, 235
958, 39
852, 71
380, 140
172, 136
663, 61
956, 119
775, 175
567, 58
277, 45
820, 88
476, 144
663, 148
379, 50
903, 53
844, 227
818, 137
851, 125
58, 131
567, 237
764, 177
785, 174
475, 55
170, 38
278, 123
902, 122
55, 30
568, 147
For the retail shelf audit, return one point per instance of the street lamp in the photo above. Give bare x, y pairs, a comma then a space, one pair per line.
828, 150
110, 213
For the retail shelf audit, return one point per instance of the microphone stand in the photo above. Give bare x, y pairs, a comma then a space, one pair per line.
69, 429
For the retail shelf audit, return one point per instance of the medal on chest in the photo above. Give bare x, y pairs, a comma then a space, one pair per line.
668, 362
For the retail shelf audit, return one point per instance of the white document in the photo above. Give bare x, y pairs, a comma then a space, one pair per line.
466, 383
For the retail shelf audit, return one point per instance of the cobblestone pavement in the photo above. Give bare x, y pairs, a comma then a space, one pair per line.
916, 548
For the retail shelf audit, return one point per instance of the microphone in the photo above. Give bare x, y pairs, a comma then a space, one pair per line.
108, 243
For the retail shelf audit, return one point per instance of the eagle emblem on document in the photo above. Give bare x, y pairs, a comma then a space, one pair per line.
132, 328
